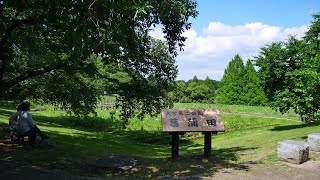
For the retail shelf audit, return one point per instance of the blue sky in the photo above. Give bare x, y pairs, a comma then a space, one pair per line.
225, 28
285, 13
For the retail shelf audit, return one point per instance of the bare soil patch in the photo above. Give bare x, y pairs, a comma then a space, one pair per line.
280, 170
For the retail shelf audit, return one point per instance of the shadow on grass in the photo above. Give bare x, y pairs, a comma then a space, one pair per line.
97, 124
296, 126
191, 164
86, 123
151, 137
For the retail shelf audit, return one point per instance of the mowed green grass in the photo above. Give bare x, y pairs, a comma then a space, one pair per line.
252, 135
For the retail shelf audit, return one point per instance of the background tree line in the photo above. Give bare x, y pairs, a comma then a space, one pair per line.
289, 72
195, 90
288, 77
240, 85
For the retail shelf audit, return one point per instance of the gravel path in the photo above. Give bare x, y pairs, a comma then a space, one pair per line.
307, 171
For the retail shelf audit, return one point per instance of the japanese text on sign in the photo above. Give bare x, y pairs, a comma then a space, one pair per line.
191, 120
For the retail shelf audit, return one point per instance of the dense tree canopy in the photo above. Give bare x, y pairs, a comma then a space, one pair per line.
240, 85
195, 90
230, 87
252, 93
290, 73
209, 87
71, 51
178, 94
200, 91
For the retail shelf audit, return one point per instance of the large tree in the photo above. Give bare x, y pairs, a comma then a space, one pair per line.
290, 72
208, 90
240, 84
252, 92
69, 51
230, 87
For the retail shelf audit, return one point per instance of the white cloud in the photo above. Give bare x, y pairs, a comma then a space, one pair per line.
209, 54
157, 33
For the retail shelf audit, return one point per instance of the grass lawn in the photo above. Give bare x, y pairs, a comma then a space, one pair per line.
252, 135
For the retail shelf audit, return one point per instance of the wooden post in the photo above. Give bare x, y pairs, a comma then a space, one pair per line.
175, 145
207, 144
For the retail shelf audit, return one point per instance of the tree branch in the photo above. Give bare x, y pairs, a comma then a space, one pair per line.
29, 74
5, 39
13, 27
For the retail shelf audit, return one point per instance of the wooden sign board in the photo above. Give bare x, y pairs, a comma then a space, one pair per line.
192, 120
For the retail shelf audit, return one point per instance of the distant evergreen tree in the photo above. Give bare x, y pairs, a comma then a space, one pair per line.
215, 84
211, 89
252, 93
230, 88
240, 85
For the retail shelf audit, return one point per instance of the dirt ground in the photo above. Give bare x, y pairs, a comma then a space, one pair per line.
13, 166
285, 171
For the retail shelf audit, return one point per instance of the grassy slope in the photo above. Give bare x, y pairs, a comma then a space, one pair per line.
249, 138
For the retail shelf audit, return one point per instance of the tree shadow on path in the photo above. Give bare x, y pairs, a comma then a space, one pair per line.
295, 126
188, 165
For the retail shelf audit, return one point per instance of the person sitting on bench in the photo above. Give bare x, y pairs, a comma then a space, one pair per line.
13, 119
13, 122
25, 124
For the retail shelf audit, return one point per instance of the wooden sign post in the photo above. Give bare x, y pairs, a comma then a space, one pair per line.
179, 121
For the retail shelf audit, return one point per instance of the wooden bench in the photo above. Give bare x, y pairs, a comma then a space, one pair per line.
20, 137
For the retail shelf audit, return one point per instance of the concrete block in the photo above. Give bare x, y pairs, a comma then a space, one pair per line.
296, 152
314, 142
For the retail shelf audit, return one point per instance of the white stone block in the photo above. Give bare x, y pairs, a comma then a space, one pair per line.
314, 142
296, 152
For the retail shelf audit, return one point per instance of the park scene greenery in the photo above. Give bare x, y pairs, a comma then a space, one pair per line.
97, 82
252, 135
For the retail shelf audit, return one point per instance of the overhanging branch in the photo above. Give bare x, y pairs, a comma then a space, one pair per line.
29, 74
13, 27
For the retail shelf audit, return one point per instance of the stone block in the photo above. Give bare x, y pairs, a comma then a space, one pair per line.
296, 152
314, 142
